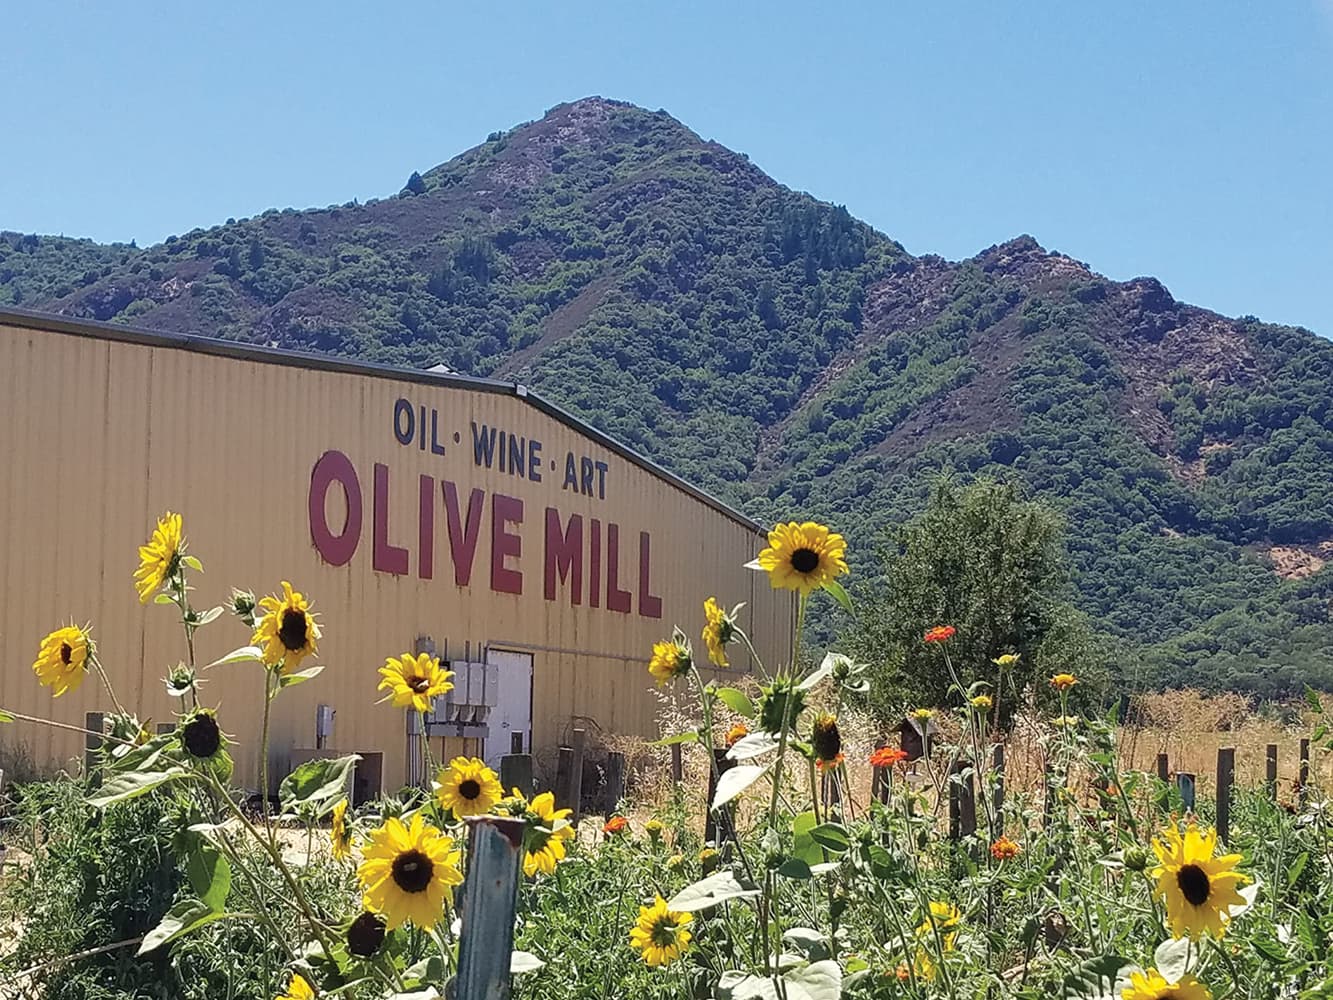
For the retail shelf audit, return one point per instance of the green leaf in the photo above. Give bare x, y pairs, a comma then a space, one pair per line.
735, 781
689, 736
144, 757
317, 785
246, 654
803, 845
193, 563
300, 676
817, 981
812, 945
164, 599
182, 918
752, 745
794, 868
523, 961
716, 888
736, 700
832, 836
825, 669
130, 785
1099, 978
1297, 866
1173, 958
1269, 949
840, 595
212, 614
209, 873
5, 716
1312, 699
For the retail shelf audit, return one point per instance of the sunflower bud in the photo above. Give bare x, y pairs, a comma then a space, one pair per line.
781, 702
826, 739
365, 934
201, 736
181, 681
243, 606
1136, 859
709, 859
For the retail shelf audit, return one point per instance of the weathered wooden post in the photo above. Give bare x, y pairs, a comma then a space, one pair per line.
576, 775
490, 896
1164, 776
717, 824
962, 802
94, 723
1185, 783
564, 773
516, 772
997, 794
615, 781
881, 781
677, 765
1303, 775
1226, 770
1270, 771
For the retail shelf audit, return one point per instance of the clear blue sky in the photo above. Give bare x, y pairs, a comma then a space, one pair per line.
1189, 140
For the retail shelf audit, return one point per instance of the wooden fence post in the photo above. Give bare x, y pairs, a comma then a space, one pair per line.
1226, 771
1185, 782
1270, 770
1163, 775
962, 802
94, 722
576, 775
564, 772
881, 781
490, 897
717, 825
516, 772
1303, 775
615, 781
677, 765
997, 794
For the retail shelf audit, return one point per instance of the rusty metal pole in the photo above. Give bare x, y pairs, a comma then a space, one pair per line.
490, 898
1270, 771
1226, 771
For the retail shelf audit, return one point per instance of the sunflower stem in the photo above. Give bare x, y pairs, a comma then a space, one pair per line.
106, 683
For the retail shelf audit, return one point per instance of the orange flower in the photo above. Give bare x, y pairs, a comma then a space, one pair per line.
1004, 849
829, 765
887, 757
737, 733
615, 825
902, 972
940, 633
1063, 682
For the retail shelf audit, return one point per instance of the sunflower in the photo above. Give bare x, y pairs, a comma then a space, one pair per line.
719, 629
159, 559
1198, 888
803, 557
826, 741
414, 681
982, 702
409, 873
709, 860
365, 934
548, 829
1065, 721
941, 915
671, 658
287, 633
201, 736
922, 715
1063, 682
467, 787
1152, 985
1006, 661
298, 989
62, 659
340, 834
659, 933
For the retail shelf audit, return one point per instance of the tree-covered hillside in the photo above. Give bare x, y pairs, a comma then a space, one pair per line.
791, 359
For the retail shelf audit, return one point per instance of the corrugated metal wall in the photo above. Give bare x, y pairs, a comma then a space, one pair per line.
100, 436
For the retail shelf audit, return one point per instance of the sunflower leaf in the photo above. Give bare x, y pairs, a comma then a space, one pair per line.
825, 669
716, 888
5, 716
735, 781
816, 981
182, 918
130, 785
832, 836
300, 676
523, 961
317, 785
246, 654
193, 563
840, 595
736, 700
209, 873
752, 745
1172, 958
1098, 978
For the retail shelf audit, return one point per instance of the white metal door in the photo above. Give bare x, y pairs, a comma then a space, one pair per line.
512, 716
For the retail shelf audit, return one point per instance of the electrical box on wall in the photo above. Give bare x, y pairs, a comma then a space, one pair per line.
465, 710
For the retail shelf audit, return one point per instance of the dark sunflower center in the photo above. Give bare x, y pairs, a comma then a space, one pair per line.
365, 935
469, 789
804, 560
1193, 883
201, 736
419, 684
412, 871
294, 629
66, 653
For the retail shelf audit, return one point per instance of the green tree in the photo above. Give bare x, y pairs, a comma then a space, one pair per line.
980, 559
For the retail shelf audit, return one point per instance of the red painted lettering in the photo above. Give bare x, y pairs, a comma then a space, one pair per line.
616, 599
564, 555
426, 528
385, 556
650, 605
595, 565
505, 511
462, 540
334, 467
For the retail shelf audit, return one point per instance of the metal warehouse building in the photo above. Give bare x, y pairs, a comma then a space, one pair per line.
415, 509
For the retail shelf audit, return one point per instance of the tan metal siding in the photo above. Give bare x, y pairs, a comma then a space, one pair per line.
101, 436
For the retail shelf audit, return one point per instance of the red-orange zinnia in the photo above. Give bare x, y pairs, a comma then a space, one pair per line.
737, 733
1004, 849
615, 825
887, 757
940, 633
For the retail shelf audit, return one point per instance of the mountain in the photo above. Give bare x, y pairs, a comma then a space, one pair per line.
793, 360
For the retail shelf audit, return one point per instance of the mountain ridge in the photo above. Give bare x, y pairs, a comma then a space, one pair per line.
788, 357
